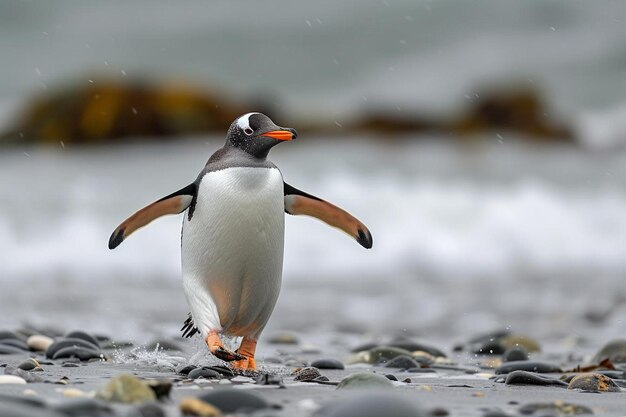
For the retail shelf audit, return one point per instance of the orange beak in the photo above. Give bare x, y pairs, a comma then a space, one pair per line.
279, 134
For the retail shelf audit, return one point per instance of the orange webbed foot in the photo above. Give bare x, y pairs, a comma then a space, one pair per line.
216, 347
247, 350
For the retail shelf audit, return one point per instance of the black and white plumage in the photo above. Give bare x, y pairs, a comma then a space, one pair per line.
233, 230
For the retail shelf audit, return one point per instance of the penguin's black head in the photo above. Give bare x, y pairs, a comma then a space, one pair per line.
256, 134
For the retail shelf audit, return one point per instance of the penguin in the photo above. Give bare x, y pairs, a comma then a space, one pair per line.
233, 236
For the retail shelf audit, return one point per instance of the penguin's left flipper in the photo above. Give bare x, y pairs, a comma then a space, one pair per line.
298, 202
174, 203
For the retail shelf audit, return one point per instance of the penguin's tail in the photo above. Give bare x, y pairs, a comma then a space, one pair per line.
189, 329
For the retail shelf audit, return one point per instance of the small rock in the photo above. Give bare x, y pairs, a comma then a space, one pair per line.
391, 377
205, 372
126, 389
11, 379
307, 374
412, 346
30, 365
73, 342
25, 375
529, 378
20, 344
79, 334
484, 343
402, 362
327, 364
371, 405
9, 349
283, 338
559, 408
186, 369
615, 351
82, 353
380, 354
364, 380
160, 387
191, 406
5, 334
232, 400
39, 342
516, 353
241, 378
593, 383
530, 366
222, 370
73, 393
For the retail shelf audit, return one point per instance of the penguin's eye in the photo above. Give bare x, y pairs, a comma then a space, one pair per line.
248, 131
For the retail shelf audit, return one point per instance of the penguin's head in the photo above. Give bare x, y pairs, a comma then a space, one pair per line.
256, 134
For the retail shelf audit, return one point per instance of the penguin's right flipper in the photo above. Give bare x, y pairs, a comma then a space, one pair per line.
174, 203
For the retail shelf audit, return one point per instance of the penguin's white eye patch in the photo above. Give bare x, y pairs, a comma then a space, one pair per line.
248, 131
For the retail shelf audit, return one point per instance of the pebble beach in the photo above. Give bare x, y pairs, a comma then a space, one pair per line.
498, 374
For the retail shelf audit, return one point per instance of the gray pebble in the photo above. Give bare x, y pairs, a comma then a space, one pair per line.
530, 366
530, 378
231, 400
615, 350
402, 362
30, 365
204, 372
20, 344
327, 364
9, 349
412, 346
82, 353
71, 342
186, 369
364, 380
5, 334
79, 334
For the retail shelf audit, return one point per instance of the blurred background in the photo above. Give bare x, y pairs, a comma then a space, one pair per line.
483, 143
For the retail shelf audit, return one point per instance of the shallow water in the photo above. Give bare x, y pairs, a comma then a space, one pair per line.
466, 238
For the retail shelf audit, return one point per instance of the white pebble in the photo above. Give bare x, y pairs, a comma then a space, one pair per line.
225, 382
241, 378
74, 393
39, 342
11, 379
